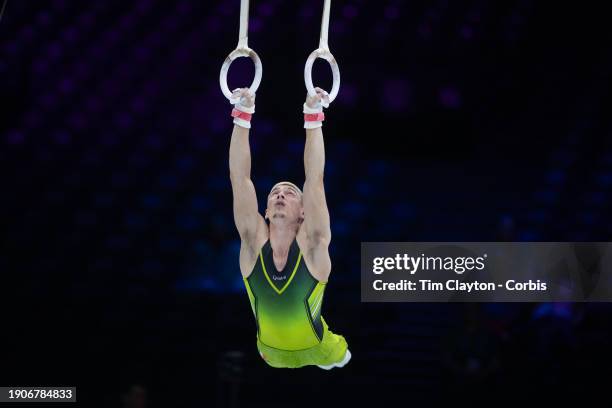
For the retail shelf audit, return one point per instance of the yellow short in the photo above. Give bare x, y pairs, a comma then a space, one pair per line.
329, 351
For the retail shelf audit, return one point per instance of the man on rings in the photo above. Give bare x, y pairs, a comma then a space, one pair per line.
285, 261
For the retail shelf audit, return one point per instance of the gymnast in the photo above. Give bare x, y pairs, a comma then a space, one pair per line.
285, 263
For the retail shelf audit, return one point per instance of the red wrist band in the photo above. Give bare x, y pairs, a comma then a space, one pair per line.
314, 117
242, 115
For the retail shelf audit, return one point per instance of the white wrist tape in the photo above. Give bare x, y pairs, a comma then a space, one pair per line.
308, 109
312, 124
242, 123
242, 115
245, 109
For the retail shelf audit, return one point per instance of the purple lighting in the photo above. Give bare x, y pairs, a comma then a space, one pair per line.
55, 50
396, 94
392, 13
86, 20
27, 32
139, 104
255, 24
77, 121
348, 95
66, 85
44, 18
467, 32
93, 104
265, 9
306, 13
213, 24
62, 138
349, 11
449, 97
124, 121
47, 100
40, 66
70, 35
338, 27
15, 137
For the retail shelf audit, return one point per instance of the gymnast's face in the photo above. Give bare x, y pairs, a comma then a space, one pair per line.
285, 204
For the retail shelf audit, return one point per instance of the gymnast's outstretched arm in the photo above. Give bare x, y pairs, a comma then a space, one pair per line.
246, 214
316, 214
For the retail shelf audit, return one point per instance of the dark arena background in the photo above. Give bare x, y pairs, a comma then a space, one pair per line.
455, 121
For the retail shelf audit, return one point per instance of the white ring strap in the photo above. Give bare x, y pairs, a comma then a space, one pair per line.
243, 34
324, 53
242, 50
324, 25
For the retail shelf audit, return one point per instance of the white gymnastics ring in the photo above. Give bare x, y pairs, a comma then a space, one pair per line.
324, 53
242, 50
237, 53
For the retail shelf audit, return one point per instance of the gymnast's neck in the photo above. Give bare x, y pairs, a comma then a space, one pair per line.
282, 236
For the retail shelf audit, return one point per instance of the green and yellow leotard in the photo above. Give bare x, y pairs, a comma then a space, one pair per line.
287, 306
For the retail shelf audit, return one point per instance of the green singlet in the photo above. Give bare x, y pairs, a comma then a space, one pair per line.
287, 306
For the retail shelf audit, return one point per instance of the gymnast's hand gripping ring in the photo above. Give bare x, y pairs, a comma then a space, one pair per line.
242, 50
324, 53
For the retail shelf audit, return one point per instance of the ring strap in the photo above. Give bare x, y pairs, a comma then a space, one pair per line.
324, 26
243, 34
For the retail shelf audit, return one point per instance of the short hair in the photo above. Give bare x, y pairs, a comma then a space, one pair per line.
290, 184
